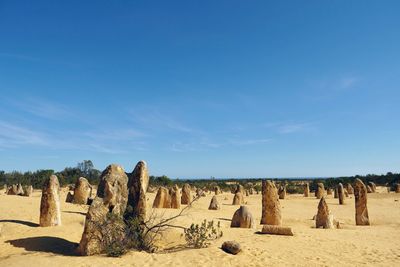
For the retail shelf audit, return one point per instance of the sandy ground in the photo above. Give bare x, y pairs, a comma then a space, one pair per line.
23, 243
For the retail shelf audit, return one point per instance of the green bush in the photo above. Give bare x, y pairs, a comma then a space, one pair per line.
199, 236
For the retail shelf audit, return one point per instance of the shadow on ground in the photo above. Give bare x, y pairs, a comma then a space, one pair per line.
76, 212
174, 249
30, 224
49, 244
224, 219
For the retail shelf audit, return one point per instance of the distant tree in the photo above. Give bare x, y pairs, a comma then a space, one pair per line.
69, 175
3, 177
85, 167
38, 177
160, 181
87, 170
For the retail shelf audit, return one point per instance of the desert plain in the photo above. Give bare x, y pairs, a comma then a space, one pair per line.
24, 243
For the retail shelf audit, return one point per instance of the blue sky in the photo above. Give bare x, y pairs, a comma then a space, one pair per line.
202, 88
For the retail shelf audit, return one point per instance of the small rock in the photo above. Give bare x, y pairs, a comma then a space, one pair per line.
231, 247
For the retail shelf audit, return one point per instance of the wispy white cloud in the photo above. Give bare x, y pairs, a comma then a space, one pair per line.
291, 127
331, 88
19, 57
12, 135
116, 134
39, 60
114, 142
184, 147
209, 145
117, 142
106, 149
156, 120
244, 142
334, 84
348, 82
40, 107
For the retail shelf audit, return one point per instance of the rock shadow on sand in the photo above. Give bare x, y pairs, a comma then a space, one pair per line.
224, 219
48, 244
30, 224
76, 212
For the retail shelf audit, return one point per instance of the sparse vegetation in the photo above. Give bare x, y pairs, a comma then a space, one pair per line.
119, 234
67, 176
294, 189
86, 169
199, 236
160, 181
113, 235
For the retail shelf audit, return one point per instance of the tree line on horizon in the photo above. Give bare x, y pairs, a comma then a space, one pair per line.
70, 175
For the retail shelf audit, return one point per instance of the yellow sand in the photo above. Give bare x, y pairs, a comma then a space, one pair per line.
22, 243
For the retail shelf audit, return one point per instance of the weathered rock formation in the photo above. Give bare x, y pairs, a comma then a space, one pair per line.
200, 192
282, 191
217, 190
346, 194
397, 188
271, 208
276, 230
369, 189
138, 184
168, 198
20, 190
329, 191
163, 199
372, 185
186, 195
233, 189
238, 199
12, 190
82, 191
324, 219
320, 192
340, 193
175, 198
306, 190
214, 205
240, 188
50, 212
110, 201
28, 190
350, 189
360, 195
242, 218
336, 192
